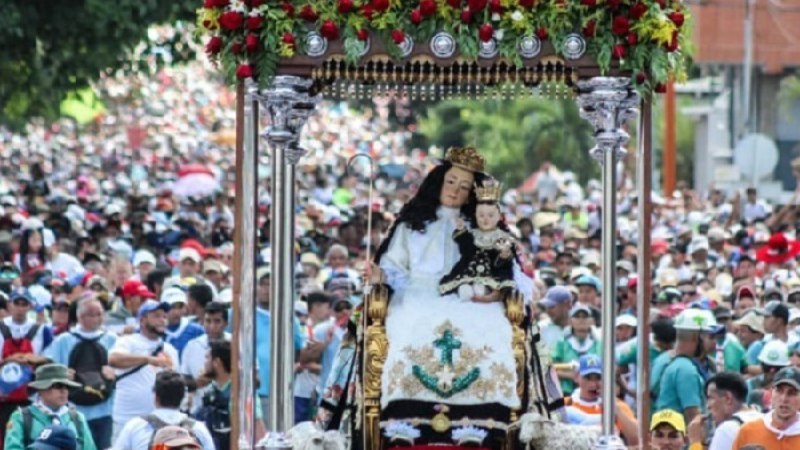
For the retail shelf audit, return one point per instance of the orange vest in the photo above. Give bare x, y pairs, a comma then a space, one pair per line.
757, 433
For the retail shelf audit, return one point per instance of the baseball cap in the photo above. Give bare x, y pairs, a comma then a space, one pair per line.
143, 256
21, 294
722, 312
213, 265
626, 319
787, 375
55, 437
556, 295
670, 417
150, 306
301, 308
589, 280
590, 364
263, 272
175, 436
580, 307
189, 253
626, 266
752, 320
745, 291
777, 309
774, 353
173, 295
136, 287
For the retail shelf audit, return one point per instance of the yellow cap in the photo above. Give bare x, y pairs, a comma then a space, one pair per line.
668, 416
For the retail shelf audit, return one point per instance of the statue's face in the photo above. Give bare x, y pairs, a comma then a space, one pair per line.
487, 217
456, 188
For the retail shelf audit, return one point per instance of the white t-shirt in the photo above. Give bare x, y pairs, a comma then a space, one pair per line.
193, 361
19, 331
134, 394
137, 433
726, 432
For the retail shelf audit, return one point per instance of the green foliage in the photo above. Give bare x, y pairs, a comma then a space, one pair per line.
684, 138
50, 48
515, 136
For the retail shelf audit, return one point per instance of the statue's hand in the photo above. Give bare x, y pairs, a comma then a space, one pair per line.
373, 274
492, 296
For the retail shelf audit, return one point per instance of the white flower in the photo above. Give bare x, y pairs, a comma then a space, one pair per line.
238, 6
516, 16
498, 34
495, 17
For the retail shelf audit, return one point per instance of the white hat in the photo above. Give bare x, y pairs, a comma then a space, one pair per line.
774, 353
144, 256
698, 243
173, 295
41, 295
189, 253
695, 320
794, 314
32, 223
111, 209
225, 295
626, 319
48, 237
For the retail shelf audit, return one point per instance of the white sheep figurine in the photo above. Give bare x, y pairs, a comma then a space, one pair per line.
541, 433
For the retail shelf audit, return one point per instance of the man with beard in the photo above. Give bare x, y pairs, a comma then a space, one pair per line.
780, 428
138, 358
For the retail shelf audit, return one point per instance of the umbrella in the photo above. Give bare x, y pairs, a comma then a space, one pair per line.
195, 180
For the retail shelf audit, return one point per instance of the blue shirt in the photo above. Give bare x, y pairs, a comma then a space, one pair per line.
179, 335
59, 351
320, 335
263, 347
681, 386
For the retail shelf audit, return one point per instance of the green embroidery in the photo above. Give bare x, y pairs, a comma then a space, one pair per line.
447, 343
431, 382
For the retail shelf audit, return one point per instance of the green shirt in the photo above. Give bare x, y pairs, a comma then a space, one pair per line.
680, 386
565, 352
627, 354
14, 439
734, 356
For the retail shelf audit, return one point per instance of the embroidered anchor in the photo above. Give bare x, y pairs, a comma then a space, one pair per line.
444, 383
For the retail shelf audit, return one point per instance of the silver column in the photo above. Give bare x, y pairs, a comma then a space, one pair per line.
289, 103
607, 103
245, 298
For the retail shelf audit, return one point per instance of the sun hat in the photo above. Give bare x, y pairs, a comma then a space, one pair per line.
50, 374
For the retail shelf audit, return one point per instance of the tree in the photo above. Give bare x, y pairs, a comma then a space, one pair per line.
516, 136
51, 48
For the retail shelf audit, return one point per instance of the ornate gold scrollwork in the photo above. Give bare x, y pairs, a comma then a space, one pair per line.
515, 311
376, 346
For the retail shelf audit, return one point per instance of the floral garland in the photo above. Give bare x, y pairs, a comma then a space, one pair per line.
646, 38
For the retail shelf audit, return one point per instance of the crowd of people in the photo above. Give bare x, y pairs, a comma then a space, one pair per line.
115, 286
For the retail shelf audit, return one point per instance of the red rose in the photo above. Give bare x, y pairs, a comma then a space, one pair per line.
416, 16
476, 5
236, 48
288, 38
254, 22
380, 5
209, 4
221, 3
662, 3
641, 78
527, 3
589, 3
288, 8
677, 18
454, 3
251, 43
367, 11
466, 16
632, 38
329, 30
638, 10
345, 6
542, 33
208, 25
614, 4
214, 45
244, 71
231, 20
427, 7
661, 88
485, 32
362, 34
619, 51
590, 28
495, 7
398, 36
256, 3
673, 43
620, 26
308, 13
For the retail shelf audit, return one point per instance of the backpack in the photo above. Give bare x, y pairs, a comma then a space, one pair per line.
27, 425
153, 420
216, 414
20, 372
87, 358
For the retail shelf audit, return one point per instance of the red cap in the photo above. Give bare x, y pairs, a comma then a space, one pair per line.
633, 281
136, 287
192, 243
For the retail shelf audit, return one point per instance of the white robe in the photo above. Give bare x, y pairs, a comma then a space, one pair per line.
414, 263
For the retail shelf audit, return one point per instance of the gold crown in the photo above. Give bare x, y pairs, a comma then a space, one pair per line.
490, 191
466, 158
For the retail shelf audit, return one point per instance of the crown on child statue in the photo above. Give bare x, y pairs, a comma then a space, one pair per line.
489, 191
466, 158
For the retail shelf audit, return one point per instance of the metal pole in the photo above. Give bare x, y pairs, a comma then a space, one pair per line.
607, 103
244, 337
644, 184
747, 65
289, 104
